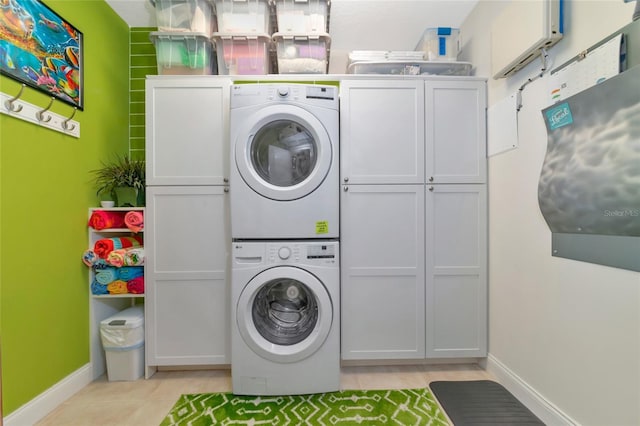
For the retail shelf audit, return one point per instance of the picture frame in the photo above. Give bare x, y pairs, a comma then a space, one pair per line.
42, 50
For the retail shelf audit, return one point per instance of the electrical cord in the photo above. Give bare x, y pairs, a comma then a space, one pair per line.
544, 57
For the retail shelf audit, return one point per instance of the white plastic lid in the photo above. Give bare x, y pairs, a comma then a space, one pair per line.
301, 37
129, 318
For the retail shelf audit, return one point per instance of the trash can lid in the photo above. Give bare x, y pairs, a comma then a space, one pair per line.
129, 318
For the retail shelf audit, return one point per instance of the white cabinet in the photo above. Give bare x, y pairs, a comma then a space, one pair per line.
413, 218
103, 306
187, 122
187, 301
455, 131
456, 271
382, 131
382, 267
187, 236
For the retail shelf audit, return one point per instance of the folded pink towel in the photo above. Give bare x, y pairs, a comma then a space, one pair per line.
136, 285
132, 256
134, 220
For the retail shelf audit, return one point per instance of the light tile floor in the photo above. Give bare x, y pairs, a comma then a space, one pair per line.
147, 402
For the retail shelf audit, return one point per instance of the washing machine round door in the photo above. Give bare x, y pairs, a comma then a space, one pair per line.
284, 153
284, 314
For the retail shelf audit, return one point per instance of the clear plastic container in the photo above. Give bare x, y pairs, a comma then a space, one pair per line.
185, 16
440, 44
242, 54
243, 16
410, 68
302, 16
302, 54
183, 53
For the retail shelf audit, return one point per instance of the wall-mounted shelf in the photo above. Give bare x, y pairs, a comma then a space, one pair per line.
42, 116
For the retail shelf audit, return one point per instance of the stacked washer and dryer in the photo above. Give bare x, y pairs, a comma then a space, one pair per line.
285, 276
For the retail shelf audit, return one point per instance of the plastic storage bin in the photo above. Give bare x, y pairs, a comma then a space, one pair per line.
302, 54
242, 54
302, 16
185, 16
183, 53
122, 338
440, 44
410, 68
243, 16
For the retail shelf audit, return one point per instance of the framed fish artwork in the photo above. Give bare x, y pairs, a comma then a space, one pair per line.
42, 50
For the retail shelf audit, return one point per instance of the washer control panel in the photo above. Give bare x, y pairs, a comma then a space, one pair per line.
248, 95
320, 253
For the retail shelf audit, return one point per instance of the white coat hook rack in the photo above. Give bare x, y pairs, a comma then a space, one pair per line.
18, 108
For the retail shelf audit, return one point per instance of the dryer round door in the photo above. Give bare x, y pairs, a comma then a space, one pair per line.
284, 314
284, 153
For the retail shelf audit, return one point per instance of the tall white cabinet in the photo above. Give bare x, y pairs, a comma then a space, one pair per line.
187, 221
413, 218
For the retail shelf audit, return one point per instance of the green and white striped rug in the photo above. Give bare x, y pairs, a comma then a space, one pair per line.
375, 407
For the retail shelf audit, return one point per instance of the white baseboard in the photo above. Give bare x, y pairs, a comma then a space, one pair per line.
534, 401
36, 409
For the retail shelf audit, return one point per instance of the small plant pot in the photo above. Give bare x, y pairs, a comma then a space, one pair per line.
126, 196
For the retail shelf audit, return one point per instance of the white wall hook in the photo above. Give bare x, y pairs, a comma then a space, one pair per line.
40, 114
65, 123
9, 103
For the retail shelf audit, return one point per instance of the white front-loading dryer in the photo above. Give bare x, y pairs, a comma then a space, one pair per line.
284, 161
285, 327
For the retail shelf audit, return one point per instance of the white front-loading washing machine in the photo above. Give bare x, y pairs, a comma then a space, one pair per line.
284, 161
285, 327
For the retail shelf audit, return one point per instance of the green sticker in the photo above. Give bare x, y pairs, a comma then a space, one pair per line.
322, 227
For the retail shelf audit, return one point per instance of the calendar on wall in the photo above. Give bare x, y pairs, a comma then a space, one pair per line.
588, 69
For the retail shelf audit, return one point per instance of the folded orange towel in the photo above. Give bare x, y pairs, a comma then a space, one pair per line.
101, 219
117, 287
134, 220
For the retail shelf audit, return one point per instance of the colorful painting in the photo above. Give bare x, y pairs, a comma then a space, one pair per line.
42, 50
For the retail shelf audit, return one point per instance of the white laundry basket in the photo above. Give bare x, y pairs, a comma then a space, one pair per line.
122, 338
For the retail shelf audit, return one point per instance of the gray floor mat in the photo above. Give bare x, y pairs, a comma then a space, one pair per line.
481, 402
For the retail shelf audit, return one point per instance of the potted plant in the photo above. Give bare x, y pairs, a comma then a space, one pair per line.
122, 180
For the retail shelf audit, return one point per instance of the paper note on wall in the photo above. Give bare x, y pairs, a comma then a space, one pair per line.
502, 126
596, 66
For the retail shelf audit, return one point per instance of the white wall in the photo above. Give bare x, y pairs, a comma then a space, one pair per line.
568, 329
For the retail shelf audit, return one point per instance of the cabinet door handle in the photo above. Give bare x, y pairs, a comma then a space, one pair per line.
431, 188
225, 180
346, 180
226, 190
430, 178
345, 188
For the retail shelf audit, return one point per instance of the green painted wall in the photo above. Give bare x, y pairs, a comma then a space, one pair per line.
143, 63
45, 191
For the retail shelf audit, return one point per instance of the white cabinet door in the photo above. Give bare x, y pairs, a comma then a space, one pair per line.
187, 294
456, 147
186, 131
382, 238
456, 271
382, 131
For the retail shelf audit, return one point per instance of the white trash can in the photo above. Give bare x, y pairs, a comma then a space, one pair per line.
122, 338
